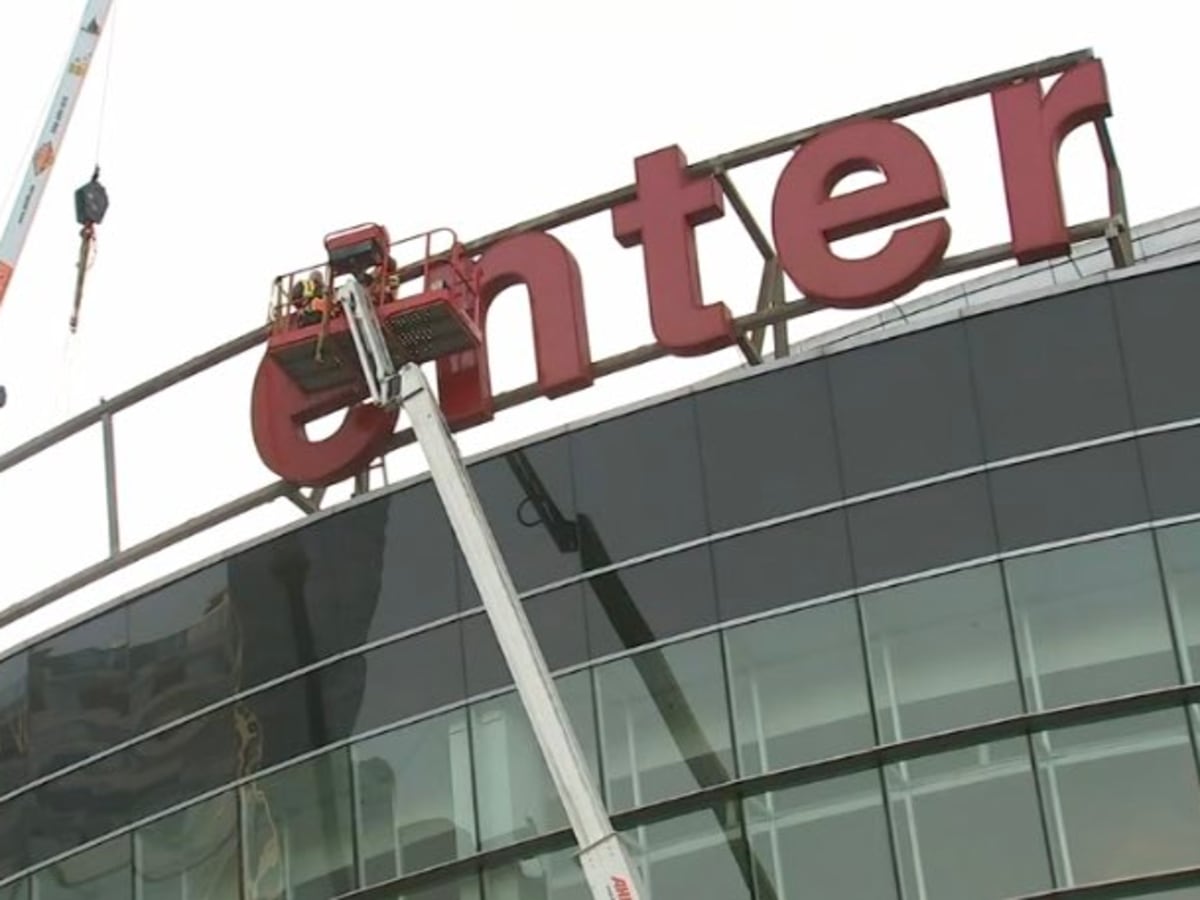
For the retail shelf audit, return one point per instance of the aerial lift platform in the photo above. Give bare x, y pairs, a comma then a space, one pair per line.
367, 333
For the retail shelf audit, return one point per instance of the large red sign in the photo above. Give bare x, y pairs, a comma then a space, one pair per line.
669, 205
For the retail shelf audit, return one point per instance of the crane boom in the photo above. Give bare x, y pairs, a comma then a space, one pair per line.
51, 138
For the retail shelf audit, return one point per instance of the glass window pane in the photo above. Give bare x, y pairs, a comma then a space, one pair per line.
78, 807
904, 409
102, 873
1123, 796
415, 801
922, 529
799, 688
637, 479
464, 888
1159, 320
512, 488
17, 891
1048, 373
968, 825
664, 723
782, 565
297, 831
79, 692
14, 722
183, 648
1169, 462
698, 855
418, 674
1180, 549
550, 876
777, 425
194, 853
1066, 496
650, 602
826, 839
557, 618
941, 653
517, 799
1091, 621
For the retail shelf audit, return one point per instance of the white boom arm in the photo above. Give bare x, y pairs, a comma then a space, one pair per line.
606, 866
50, 139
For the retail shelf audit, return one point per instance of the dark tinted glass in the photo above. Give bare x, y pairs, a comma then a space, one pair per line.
637, 479
922, 529
15, 838
398, 680
530, 504
1172, 478
286, 720
650, 602
79, 692
80, 806
365, 573
183, 648
557, 618
186, 761
702, 854
784, 564
904, 409
14, 710
1159, 317
1048, 373
768, 445
1069, 495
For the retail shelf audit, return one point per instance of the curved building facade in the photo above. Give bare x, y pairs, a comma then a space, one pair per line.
916, 615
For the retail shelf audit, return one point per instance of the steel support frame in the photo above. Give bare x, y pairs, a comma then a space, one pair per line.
771, 311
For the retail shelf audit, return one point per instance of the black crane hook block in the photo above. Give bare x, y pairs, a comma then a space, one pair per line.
91, 202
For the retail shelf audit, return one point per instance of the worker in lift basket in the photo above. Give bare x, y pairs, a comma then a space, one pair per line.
310, 298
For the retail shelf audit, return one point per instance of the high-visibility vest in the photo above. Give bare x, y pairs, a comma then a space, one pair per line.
315, 295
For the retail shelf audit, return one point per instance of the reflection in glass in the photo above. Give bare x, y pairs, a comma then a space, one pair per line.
638, 479
664, 723
967, 824
296, 828
693, 856
799, 688
18, 891
1091, 621
517, 799
827, 839
551, 876
414, 797
1179, 548
1122, 797
79, 691
183, 648
941, 653
101, 873
192, 854
14, 722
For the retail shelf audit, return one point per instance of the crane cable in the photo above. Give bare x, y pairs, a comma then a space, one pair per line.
87, 250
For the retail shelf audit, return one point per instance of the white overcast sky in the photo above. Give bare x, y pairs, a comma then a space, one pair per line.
237, 132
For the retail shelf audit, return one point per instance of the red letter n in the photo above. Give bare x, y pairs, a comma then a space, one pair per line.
1031, 128
560, 339
668, 207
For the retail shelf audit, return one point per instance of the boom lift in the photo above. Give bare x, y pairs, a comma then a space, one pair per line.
390, 336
